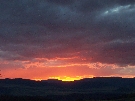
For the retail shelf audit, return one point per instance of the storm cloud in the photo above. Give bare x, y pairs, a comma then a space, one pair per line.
95, 30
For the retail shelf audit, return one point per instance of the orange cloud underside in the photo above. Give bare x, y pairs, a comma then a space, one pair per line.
65, 69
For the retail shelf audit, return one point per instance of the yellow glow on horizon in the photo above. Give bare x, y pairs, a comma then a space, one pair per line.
37, 79
66, 78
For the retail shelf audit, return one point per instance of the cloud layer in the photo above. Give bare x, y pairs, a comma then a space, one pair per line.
93, 31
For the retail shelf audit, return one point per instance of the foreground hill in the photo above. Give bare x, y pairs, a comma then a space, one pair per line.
111, 88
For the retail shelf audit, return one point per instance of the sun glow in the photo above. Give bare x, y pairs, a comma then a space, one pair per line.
66, 78
37, 79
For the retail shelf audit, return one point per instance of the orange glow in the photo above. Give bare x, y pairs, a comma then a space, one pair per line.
65, 69
66, 78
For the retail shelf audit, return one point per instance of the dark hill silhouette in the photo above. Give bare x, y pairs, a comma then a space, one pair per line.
89, 88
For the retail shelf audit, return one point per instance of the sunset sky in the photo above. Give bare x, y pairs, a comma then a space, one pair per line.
67, 39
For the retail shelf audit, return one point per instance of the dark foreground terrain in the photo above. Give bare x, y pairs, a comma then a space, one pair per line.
126, 97
94, 89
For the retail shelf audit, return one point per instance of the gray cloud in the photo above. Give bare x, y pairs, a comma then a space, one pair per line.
101, 31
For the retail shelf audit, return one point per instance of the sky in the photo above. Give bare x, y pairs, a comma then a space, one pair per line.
67, 39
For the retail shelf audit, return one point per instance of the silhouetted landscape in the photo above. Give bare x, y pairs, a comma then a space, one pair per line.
88, 89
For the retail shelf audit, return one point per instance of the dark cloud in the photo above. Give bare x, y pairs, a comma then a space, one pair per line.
124, 2
62, 2
100, 30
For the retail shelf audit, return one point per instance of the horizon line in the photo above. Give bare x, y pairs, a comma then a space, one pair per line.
66, 80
